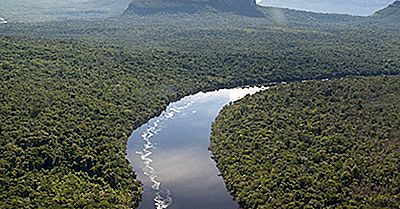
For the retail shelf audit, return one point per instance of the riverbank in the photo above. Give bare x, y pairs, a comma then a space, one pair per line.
72, 92
171, 157
313, 144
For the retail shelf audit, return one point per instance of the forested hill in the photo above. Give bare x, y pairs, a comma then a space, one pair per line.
390, 13
319, 144
387, 17
148, 7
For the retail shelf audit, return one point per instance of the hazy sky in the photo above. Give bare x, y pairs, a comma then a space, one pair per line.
354, 7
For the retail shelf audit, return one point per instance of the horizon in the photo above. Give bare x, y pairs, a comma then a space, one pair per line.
355, 7
43, 10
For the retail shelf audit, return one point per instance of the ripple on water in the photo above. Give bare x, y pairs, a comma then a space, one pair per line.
163, 196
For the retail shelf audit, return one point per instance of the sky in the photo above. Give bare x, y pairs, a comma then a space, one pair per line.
353, 7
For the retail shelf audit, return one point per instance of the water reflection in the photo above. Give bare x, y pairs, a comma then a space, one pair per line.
170, 154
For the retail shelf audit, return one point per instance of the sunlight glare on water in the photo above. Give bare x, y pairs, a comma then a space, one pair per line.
171, 158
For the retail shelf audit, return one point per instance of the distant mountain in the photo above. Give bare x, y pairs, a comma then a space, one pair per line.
149, 7
386, 17
352, 7
51, 10
390, 13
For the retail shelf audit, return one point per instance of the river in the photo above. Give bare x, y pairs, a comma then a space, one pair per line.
171, 158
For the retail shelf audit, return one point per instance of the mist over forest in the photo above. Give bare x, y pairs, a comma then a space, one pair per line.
353, 7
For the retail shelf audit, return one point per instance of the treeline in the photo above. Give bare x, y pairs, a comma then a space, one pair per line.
66, 112
71, 92
319, 144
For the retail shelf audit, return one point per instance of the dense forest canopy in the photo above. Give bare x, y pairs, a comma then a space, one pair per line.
319, 144
72, 91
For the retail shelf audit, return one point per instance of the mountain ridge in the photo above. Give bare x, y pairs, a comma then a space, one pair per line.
238, 7
390, 12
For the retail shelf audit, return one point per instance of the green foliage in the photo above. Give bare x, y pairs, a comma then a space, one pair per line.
332, 144
71, 92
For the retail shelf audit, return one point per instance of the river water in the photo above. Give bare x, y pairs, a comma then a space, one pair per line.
170, 154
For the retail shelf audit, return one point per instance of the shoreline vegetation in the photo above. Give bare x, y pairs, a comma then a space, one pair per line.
73, 91
316, 144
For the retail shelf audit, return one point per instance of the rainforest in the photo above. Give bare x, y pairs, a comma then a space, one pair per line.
317, 144
76, 79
